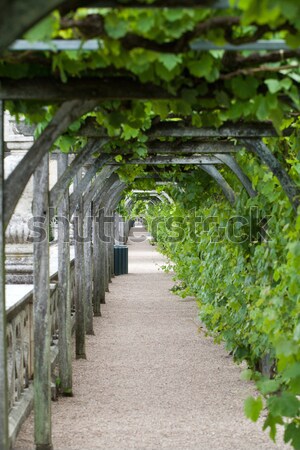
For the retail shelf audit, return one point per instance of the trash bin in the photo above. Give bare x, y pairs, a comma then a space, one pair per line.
120, 259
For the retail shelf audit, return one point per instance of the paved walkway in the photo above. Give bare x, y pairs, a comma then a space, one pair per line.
152, 380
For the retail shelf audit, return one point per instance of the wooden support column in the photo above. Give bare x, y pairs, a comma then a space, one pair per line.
79, 277
107, 249
103, 262
111, 245
41, 311
96, 266
64, 288
107, 268
3, 358
88, 269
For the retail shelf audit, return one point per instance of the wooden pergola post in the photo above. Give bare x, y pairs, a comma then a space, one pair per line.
88, 270
96, 265
107, 226
41, 310
4, 442
64, 294
80, 323
111, 240
102, 260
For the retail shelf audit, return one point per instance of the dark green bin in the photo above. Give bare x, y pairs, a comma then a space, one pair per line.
120, 259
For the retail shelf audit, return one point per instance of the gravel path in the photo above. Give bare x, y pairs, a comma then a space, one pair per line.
152, 380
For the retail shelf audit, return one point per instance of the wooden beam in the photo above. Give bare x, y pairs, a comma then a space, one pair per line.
4, 441
41, 312
190, 147
178, 129
64, 288
238, 130
17, 180
218, 177
99, 89
214, 4
266, 156
166, 159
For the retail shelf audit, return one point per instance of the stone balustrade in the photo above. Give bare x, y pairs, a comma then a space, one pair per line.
20, 347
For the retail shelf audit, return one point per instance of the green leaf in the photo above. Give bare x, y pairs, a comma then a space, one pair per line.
293, 371
141, 151
292, 435
286, 405
244, 87
65, 143
297, 333
129, 132
202, 67
115, 27
253, 408
169, 61
116, 119
247, 375
268, 386
271, 422
275, 85
44, 30
262, 111
118, 158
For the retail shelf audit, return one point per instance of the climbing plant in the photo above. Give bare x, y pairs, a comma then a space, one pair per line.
242, 265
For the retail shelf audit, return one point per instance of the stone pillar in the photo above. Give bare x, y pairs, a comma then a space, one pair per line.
19, 249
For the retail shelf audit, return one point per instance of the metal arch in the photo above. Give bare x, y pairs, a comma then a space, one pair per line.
216, 175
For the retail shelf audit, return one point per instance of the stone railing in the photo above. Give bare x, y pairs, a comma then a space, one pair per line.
20, 350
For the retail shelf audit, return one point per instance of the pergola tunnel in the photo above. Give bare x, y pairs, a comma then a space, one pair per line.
184, 113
